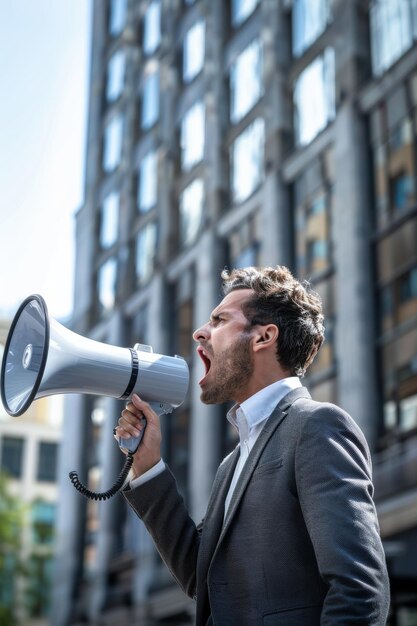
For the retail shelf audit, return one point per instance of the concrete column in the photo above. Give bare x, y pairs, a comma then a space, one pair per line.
205, 419
71, 512
110, 534
354, 337
137, 539
276, 216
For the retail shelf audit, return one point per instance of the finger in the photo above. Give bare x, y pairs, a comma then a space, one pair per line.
130, 426
132, 408
146, 410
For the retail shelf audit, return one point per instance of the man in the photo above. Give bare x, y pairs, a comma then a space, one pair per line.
290, 535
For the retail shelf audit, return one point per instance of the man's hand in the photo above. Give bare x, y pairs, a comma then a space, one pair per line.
149, 452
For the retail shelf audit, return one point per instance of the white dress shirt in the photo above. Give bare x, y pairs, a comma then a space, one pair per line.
249, 418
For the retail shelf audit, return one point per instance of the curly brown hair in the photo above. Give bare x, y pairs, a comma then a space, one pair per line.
281, 299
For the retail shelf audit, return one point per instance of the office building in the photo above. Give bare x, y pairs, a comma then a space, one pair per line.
231, 133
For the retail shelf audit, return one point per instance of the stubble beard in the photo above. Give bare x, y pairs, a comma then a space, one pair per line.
231, 373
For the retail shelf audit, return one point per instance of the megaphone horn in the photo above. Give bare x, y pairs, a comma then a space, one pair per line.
43, 358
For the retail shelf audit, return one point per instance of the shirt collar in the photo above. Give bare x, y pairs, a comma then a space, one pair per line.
259, 407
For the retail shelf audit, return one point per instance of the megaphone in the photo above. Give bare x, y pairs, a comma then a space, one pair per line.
43, 358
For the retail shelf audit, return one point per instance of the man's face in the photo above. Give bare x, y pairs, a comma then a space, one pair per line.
224, 347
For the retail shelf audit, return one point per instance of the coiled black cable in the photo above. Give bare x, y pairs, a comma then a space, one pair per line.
104, 495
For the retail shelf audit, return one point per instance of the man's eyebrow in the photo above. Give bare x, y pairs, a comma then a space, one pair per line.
216, 314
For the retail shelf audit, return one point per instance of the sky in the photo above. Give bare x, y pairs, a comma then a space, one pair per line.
44, 74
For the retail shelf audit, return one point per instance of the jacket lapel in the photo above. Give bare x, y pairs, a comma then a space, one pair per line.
273, 422
214, 517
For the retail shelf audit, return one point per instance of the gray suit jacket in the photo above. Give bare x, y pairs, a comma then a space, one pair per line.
300, 544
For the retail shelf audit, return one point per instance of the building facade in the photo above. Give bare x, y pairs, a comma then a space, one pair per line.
232, 133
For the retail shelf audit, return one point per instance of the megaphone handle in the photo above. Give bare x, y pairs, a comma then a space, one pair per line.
132, 444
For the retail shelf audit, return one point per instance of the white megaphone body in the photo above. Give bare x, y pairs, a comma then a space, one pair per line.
43, 358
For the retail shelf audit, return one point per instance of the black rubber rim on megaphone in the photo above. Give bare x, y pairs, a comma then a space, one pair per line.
39, 377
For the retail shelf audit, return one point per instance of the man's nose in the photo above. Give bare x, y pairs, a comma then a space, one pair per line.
201, 334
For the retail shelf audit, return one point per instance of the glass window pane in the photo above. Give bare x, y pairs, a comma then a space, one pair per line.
150, 100
116, 75
193, 57
191, 211
118, 10
241, 9
309, 20
408, 413
192, 136
107, 285
314, 98
146, 252
147, 191
152, 27
391, 32
113, 144
246, 81
109, 220
402, 192
47, 461
247, 161
12, 456
43, 520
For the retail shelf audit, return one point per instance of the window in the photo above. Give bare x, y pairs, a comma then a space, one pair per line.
244, 242
43, 521
107, 285
146, 252
241, 9
246, 81
408, 286
402, 192
147, 188
317, 254
191, 211
393, 148
113, 138
408, 413
391, 31
118, 10
12, 456
192, 136
309, 20
150, 100
398, 362
48, 453
116, 75
247, 155
139, 326
193, 54
312, 198
314, 98
152, 27
312, 195
109, 220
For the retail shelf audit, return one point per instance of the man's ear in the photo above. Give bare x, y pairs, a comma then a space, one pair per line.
265, 337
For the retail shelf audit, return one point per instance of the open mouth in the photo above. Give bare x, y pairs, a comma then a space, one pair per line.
204, 356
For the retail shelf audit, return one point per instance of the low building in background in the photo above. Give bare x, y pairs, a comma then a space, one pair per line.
29, 447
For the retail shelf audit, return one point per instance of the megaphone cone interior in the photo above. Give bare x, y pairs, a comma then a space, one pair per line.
25, 355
